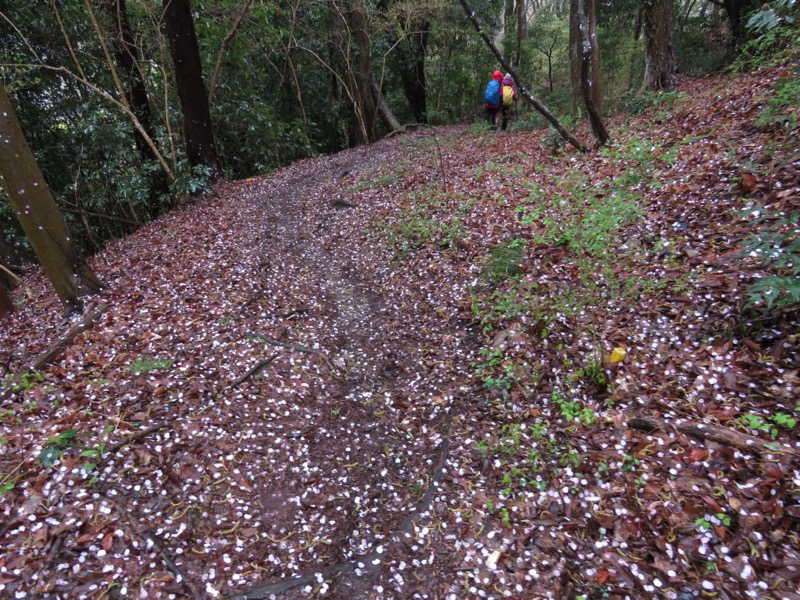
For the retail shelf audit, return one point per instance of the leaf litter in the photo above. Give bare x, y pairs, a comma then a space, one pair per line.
386, 374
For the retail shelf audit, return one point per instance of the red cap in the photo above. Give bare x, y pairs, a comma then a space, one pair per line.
498, 76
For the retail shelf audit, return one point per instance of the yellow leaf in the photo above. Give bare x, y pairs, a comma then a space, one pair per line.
617, 355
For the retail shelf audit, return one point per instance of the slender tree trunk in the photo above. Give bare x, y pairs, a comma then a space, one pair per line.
128, 58
363, 74
36, 210
658, 24
522, 32
388, 117
509, 30
575, 51
597, 95
200, 146
588, 86
521, 87
411, 59
737, 10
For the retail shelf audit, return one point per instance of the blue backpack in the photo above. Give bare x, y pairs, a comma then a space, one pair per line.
492, 94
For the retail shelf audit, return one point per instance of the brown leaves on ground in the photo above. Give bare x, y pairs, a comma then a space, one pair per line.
440, 417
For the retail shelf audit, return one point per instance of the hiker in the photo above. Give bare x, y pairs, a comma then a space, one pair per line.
509, 96
493, 100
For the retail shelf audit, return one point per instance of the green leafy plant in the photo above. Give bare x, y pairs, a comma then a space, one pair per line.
709, 521
772, 15
777, 248
770, 424
572, 410
148, 365
26, 382
54, 446
504, 261
630, 462
781, 108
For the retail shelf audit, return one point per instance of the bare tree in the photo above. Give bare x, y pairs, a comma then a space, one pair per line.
522, 88
38, 214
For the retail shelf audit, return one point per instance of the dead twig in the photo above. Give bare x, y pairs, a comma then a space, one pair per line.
297, 348
261, 365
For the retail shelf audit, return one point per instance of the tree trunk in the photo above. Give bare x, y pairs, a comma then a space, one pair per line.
589, 85
521, 88
737, 10
597, 96
363, 75
127, 56
575, 51
38, 214
200, 146
388, 117
411, 56
355, 79
658, 24
6, 305
509, 30
522, 32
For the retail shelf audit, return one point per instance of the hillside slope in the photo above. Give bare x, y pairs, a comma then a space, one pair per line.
452, 364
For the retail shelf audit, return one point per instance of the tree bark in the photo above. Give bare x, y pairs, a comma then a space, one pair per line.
388, 117
575, 50
522, 32
38, 214
127, 56
737, 10
591, 17
658, 24
201, 148
411, 54
363, 74
705, 431
521, 88
590, 87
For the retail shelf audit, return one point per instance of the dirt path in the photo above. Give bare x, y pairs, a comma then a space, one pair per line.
359, 471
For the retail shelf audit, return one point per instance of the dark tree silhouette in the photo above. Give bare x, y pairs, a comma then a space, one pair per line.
200, 146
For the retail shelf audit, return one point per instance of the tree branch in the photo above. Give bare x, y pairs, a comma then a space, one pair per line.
705, 431
213, 85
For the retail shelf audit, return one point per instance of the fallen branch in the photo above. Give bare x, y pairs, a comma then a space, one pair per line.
297, 348
134, 437
262, 365
59, 346
55, 349
714, 433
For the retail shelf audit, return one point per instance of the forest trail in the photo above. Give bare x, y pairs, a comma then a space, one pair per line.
388, 373
369, 345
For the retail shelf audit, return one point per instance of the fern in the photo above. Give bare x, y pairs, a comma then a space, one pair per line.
775, 292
